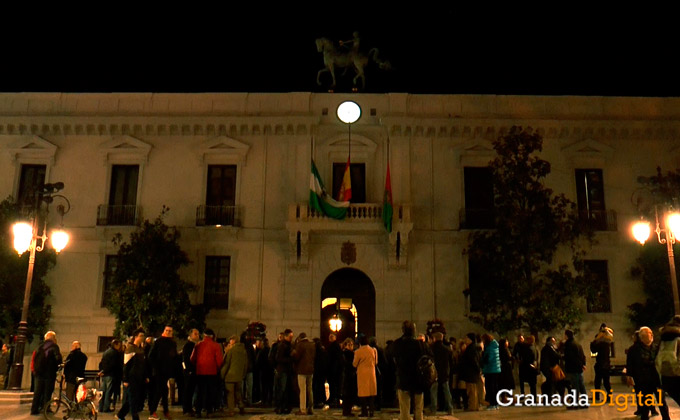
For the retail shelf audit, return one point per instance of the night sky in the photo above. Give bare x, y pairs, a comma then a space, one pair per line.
263, 48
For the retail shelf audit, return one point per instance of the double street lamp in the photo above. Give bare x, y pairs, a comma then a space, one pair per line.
671, 231
27, 237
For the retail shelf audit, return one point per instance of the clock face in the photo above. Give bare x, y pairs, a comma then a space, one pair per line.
349, 112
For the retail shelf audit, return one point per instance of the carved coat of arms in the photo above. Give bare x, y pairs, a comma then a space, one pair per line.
348, 253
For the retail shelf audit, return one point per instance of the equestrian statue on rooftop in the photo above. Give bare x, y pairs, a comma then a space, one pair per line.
346, 58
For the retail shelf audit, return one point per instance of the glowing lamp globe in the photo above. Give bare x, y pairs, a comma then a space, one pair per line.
349, 112
59, 240
23, 235
641, 231
335, 323
673, 223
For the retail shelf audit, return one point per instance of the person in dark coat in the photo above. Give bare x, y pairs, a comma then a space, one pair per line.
319, 378
349, 378
407, 351
135, 376
528, 364
284, 374
161, 361
443, 357
642, 373
470, 371
47, 361
335, 366
549, 359
603, 345
74, 368
574, 363
264, 370
389, 375
379, 367
189, 372
507, 379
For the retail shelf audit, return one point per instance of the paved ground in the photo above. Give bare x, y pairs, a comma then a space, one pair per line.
548, 413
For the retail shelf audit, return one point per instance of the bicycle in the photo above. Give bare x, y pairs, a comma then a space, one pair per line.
63, 408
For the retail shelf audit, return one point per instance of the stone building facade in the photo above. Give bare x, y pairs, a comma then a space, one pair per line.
234, 169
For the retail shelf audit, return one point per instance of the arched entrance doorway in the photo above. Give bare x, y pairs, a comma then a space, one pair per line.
349, 294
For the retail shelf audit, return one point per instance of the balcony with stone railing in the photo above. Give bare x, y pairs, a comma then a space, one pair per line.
362, 218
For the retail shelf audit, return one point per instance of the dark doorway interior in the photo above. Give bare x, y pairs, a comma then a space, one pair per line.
349, 283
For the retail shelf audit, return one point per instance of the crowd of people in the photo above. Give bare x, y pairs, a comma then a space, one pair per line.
208, 376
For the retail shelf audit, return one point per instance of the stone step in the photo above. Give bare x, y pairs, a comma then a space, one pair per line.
15, 397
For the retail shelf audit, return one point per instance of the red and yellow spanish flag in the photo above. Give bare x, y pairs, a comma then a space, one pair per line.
345, 193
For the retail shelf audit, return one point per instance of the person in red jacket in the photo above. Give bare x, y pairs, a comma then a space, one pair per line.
207, 357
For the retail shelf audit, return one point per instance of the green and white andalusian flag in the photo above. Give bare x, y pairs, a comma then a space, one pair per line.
320, 201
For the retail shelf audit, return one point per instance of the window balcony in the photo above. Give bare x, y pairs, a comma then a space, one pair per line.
363, 214
477, 219
218, 216
119, 215
600, 220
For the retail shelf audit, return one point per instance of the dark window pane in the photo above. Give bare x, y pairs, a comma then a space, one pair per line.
479, 207
123, 185
103, 343
221, 190
32, 179
216, 287
110, 265
590, 197
357, 175
598, 276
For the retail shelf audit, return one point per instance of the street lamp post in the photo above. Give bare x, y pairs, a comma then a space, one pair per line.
26, 237
671, 230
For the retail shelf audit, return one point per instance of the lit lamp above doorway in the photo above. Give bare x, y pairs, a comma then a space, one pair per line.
335, 323
349, 112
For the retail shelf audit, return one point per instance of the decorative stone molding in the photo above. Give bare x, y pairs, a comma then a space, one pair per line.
224, 147
474, 153
588, 153
124, 149
30, 148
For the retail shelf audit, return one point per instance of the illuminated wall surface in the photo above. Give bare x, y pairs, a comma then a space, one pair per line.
283, 258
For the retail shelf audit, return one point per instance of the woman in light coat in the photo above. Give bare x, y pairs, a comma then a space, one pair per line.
365, 359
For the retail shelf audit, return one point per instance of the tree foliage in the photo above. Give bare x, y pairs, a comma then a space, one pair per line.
657, 192
520, 282
146, 288
13, 279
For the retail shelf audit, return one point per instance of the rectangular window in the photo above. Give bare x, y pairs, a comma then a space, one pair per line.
110, 265
357, 175
220, 197
590, 197
103, 343
122, 207
479, 207
32, 179
598, 276
216, 288
474, 285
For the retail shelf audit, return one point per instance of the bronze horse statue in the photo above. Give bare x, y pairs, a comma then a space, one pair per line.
334, 58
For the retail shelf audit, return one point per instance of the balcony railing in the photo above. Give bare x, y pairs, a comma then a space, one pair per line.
356, 213
118, 215
600, 220
477, 219
217, 215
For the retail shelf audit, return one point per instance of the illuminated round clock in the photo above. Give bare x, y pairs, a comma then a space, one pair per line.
349, 112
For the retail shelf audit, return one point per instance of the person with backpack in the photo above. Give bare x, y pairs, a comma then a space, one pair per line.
46, 363
443, 360
407, 352
667, 363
